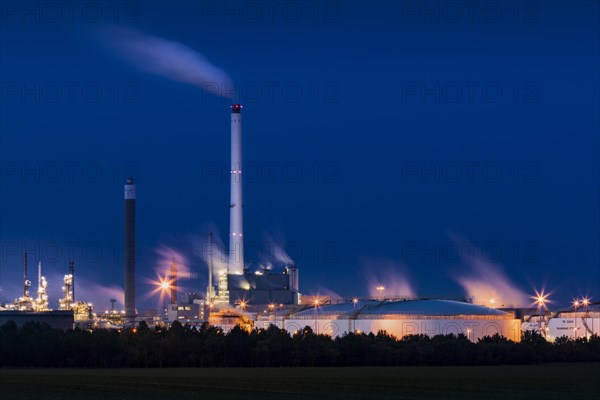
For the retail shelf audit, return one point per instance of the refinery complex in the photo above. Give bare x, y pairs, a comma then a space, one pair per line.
258, 299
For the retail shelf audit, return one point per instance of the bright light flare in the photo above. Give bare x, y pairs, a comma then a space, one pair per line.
380, 271
585, 301
541, 299
162, 287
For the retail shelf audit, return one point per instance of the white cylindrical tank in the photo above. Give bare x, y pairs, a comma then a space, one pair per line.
410, 317
574, 324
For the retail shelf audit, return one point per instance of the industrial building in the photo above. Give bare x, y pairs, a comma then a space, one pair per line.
578, 322
37, 309
191, 309
264, 287
56, 319
190, 314
262, 298
407, 317
236, 285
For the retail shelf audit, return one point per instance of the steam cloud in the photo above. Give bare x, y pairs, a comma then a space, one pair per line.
487, 280
168, 59
98, 295
389, 274
213, 254
326, 292
166, 256
276, 253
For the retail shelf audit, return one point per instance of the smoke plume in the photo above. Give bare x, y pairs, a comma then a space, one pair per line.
322, 291
486, 283
276, 253
171, 60
213, 253
97, 294
389, 275
166, 256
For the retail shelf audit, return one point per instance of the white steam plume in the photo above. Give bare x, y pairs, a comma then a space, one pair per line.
388, 274
276, 253
487, 283
97, 294
168, 59
166, 256
215, 253
323, 292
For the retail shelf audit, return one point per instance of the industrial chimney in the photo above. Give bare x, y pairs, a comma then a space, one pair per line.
236, 225
26, 283
210, 291
130, 311
173, 280
72, 273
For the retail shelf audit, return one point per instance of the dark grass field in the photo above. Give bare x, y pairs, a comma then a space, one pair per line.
551, 381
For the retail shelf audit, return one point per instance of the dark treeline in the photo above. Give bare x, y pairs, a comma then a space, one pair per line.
37, 345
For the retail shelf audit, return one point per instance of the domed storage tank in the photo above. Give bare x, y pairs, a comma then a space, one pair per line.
408, 317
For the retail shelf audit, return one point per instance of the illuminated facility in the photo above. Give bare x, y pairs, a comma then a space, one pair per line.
581, 321
406, 317
237, 296
237, 284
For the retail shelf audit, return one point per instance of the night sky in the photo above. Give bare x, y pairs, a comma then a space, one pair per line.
384, 142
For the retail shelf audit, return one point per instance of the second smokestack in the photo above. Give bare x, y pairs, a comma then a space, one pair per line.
130, 310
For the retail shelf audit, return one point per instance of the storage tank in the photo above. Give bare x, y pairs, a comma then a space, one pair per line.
407, 317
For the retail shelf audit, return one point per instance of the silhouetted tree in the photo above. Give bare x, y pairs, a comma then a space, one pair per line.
38, 345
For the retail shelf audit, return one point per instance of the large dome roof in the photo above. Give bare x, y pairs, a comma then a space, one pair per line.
375, 309
429, 307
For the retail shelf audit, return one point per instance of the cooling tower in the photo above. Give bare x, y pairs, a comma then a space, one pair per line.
236, 225
130, 311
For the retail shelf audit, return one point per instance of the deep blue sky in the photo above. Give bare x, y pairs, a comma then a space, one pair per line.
365, 125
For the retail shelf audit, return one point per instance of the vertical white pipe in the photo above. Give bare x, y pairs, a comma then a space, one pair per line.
236, 226
39, 276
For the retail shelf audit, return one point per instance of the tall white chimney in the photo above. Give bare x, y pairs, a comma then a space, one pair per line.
236, 224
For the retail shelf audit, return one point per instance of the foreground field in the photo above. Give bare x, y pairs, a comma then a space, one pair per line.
551, 381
